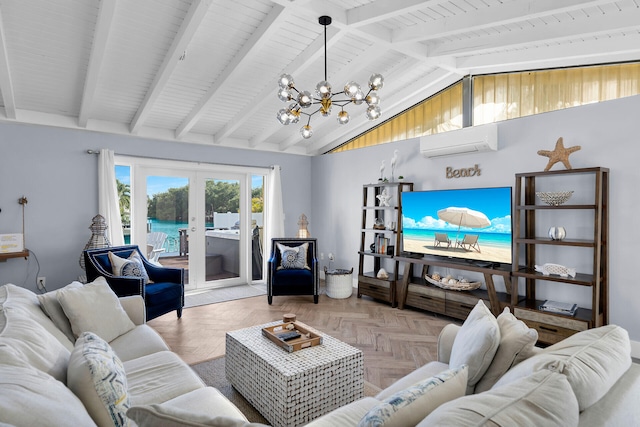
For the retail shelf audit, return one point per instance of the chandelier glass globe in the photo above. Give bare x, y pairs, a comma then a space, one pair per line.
373, 99
286, 81
323, 89
304, 99
284, 94
351, 88
306, 131
373, 112
376, 81
343, 117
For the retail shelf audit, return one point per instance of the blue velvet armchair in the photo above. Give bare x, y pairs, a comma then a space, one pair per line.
292, 271
165, 294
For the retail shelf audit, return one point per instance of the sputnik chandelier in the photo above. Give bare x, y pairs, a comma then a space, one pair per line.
324, 97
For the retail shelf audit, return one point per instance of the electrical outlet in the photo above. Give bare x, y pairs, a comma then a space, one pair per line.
321, 255
41, 282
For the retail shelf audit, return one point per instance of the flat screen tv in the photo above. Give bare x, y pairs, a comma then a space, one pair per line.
472, 224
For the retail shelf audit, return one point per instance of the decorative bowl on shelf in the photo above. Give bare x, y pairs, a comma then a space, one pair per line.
452, 284
554, 198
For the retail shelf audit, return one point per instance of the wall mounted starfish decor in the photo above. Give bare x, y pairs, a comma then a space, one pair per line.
559, 154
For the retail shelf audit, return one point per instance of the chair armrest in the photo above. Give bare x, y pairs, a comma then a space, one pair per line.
135, 308
164, 274
445, 342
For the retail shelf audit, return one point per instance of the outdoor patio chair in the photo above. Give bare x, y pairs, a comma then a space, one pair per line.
162, 293
442, 239
155, 246
468, 242
293, 268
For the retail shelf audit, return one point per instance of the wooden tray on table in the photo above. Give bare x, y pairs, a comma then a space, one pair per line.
306, 339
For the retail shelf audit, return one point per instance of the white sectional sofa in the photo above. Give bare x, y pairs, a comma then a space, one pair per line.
489, 373
54, 373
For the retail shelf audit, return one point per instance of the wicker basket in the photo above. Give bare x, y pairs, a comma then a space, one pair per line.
338, 283
457, 286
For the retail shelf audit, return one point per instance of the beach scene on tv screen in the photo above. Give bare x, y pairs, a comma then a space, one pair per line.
473, 224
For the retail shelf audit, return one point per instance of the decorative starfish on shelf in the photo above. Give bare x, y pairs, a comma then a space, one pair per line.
559, 154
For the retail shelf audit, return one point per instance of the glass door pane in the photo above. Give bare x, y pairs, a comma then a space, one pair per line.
223, 231
168, 221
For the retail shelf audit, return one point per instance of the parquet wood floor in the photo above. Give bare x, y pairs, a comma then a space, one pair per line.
394, 342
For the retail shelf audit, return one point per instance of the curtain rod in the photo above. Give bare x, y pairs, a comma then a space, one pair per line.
90, 151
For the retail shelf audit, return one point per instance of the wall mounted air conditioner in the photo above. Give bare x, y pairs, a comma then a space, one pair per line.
473, 139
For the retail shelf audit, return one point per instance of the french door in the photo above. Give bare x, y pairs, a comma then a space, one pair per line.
206, 214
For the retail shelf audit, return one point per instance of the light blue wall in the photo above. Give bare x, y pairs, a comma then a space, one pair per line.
608, 134
51, 168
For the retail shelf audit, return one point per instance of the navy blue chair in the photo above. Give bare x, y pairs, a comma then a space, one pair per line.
285, 278
165, 294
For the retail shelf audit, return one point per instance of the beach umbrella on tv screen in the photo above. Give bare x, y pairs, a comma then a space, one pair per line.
464, 217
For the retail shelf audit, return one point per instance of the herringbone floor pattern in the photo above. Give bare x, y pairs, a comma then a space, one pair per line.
394, 342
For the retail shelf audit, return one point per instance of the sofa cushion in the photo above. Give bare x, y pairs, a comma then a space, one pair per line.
293, 257
52, 308
95, 308
23, 299
140, 341
542, 399
347, 415
476, 343
164, 415
25, 339
409, 406
516, 343
592, 360
170, 377
96, 375
131, 266
29, 397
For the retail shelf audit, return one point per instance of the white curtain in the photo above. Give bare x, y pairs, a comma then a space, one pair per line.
108, 202
275, 212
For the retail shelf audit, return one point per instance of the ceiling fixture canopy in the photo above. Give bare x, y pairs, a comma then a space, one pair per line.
324, 98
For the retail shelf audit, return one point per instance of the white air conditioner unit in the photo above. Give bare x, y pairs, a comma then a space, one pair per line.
471, 139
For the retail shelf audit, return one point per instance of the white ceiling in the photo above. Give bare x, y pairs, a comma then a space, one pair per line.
114, 65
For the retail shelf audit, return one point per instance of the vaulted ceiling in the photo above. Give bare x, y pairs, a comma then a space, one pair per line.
206, 71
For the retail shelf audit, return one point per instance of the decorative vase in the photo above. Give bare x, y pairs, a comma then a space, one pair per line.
557, 233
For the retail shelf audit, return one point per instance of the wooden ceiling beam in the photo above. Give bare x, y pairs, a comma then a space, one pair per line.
192, 21
96, 59
263, 33
6, 84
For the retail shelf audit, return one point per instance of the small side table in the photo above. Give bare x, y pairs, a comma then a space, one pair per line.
338, 282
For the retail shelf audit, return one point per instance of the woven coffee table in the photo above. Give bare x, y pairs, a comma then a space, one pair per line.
291, 389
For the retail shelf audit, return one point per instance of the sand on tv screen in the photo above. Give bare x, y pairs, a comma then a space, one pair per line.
473, 224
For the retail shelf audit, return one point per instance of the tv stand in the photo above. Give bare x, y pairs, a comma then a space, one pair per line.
417, 292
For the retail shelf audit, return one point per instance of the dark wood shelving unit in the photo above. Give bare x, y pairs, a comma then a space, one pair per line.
554, 327
368, 282
418, 293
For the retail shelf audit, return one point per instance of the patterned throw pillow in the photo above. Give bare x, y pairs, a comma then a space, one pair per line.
293, 257
409, 406
131, 266
96, 375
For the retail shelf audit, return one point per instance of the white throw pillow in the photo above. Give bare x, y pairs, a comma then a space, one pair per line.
516, 343
95, 307
542, 399
29, 397
409, 406
52, 308
476, 343
96, 375
159, 415
592, 360
132, 266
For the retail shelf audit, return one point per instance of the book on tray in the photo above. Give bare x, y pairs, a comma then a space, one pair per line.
559, 307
